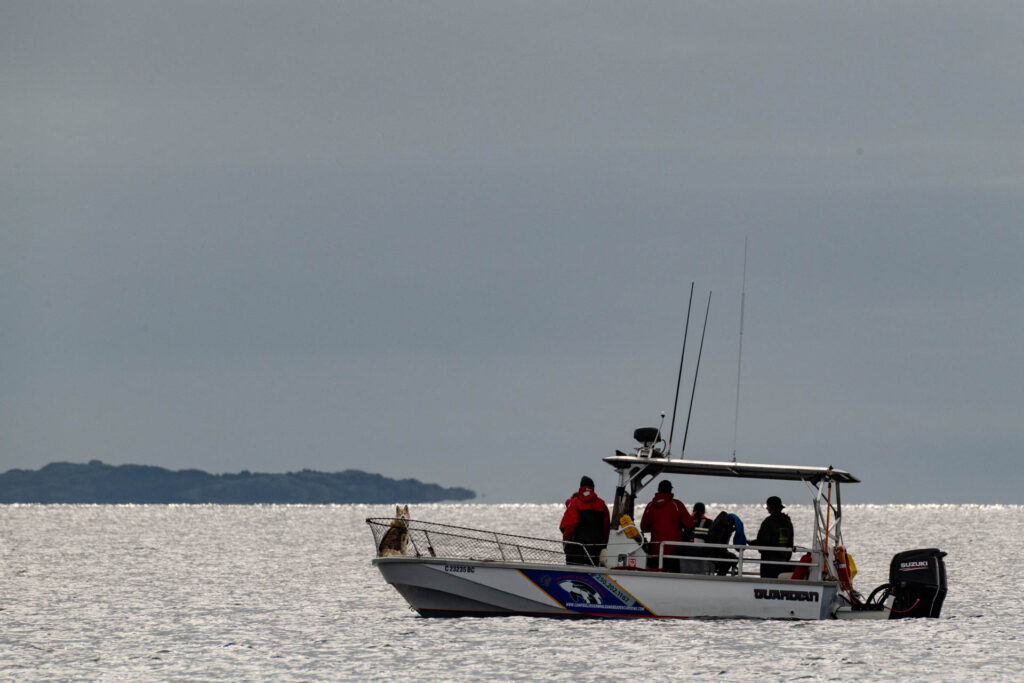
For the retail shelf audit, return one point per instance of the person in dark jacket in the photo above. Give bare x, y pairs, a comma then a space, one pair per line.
776, 530
721, 529
699, 534
701, 524
667, 520
585, 525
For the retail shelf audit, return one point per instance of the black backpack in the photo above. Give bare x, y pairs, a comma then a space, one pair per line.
721, 529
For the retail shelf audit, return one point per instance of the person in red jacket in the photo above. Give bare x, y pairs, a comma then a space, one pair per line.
667, 519
585, 525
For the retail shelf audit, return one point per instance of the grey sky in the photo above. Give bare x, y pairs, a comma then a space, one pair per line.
453, 241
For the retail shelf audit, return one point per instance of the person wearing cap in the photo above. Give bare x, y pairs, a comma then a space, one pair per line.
667, 520
701, 527
701, 524
776, 530
585, 525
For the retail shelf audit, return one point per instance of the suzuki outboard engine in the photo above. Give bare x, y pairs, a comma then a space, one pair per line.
917, 579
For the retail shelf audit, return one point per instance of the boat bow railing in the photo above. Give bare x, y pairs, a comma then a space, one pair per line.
414, 538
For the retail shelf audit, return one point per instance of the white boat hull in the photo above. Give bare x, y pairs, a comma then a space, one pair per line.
437, 587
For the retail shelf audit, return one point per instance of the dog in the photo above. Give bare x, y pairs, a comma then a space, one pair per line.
397, 537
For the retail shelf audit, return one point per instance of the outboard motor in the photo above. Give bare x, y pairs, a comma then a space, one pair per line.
917, 579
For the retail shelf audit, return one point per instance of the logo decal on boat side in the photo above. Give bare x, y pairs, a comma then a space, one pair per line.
580, 592
774, 594
586, 593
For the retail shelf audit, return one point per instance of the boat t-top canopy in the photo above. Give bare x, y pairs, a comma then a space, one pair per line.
746, 470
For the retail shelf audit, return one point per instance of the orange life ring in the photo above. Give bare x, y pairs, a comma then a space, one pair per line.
843, 569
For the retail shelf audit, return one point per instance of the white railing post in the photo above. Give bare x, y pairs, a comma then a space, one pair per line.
501, 549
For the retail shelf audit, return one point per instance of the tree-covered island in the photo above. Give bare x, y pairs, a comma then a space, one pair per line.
96, 482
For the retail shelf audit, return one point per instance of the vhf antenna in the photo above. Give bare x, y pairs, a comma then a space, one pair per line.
679, 379
660, 425
695, 373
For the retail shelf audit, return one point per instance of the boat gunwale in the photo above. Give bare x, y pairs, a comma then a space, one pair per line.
590, 569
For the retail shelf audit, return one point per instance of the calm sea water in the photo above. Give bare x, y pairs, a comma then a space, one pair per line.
288, 593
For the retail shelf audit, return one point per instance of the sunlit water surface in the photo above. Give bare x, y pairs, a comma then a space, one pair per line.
288, 593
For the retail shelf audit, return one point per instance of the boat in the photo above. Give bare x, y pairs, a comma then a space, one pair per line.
443, 570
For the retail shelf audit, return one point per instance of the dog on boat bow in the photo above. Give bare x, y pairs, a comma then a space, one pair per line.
397, 536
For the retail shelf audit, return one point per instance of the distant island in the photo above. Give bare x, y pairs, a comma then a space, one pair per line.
96, 482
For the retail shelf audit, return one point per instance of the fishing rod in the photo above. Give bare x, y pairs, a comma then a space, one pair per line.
700, 352
828, 509
739, 362
679, 379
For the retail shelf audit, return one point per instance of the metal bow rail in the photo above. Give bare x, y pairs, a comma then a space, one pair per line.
430, 539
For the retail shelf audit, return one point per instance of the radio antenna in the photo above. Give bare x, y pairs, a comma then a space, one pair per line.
739, 362
679, 379
695, 373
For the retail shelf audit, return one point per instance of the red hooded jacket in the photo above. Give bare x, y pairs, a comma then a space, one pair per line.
588, 508
665, 517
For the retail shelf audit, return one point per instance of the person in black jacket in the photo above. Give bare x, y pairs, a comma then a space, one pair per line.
776, 530
701, 524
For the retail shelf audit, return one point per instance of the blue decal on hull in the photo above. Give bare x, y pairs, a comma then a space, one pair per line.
586, 593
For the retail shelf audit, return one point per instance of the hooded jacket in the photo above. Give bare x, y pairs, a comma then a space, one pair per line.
586, 518
665, 518
776, 529
740, 537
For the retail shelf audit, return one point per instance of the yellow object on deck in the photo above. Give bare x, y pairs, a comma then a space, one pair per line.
853, 566
626, 522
